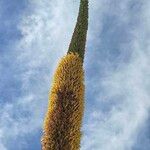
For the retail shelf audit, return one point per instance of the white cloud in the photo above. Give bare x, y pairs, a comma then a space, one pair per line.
46, 30
128, 86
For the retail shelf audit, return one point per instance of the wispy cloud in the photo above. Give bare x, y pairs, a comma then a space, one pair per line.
46, 29
122, 103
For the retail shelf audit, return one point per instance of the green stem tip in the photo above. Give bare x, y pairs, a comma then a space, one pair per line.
78, 40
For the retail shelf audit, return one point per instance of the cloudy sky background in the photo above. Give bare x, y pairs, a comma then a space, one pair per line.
34, 35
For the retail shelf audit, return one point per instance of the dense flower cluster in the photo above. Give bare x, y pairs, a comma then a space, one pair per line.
64, 116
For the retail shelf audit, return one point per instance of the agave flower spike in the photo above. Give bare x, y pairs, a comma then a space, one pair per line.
63, 120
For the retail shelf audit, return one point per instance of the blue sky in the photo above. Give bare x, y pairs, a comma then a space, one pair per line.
35, 34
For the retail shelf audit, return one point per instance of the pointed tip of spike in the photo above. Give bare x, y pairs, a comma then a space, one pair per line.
78, 41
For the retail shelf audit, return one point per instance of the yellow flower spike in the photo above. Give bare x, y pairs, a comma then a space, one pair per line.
64, 116
62, 124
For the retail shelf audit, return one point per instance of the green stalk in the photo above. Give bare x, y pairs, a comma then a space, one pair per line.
78, 40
